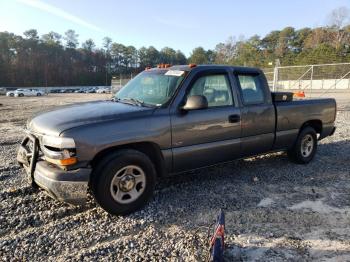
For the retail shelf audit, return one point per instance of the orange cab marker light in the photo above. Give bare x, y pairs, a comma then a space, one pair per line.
163, 65
147, 68
192, 65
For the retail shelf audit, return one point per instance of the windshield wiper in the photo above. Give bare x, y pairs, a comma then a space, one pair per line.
131, 101
135, 101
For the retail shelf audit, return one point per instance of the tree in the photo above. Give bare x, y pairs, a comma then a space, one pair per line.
106, 42
180, 58
117, 53
168, 55
318, 36
270, 41
199, 56
52, 38
129, 57
71, 39
339, 17
31, 34
142, 57
153, 56
285, 41
225, 52
300, 38
89, 45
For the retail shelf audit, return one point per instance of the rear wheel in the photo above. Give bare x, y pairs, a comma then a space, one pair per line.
305, 147
38, 94
20, 95
123, 182
12, 94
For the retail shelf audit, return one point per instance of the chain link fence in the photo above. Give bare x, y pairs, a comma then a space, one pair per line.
119, 81
323, 77
311, 78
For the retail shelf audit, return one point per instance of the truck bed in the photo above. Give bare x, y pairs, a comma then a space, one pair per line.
292, 115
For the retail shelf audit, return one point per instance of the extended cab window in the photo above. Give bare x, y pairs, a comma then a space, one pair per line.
252, 89
216, 88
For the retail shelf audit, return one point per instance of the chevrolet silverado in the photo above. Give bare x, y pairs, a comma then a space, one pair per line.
167, 120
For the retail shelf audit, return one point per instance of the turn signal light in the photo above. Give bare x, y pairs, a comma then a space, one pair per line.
192, 65
63, 162
68, 161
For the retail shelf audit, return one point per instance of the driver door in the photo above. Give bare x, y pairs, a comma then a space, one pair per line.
207, 136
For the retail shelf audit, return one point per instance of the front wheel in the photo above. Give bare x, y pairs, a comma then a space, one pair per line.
38, 94
123, 182
305, 146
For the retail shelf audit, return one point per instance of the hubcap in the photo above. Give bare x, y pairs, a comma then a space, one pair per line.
307, 145
128, 184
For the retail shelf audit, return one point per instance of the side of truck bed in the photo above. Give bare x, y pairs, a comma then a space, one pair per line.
292, 115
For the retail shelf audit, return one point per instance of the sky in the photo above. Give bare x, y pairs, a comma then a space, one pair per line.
178, 24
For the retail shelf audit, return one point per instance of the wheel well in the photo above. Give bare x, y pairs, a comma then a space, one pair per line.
150, 149
315, 124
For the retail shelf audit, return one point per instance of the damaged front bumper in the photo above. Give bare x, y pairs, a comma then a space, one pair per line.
69, 186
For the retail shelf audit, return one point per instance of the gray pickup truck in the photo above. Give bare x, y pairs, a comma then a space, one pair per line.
167, 120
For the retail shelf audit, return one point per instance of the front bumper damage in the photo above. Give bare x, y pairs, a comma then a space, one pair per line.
69, 186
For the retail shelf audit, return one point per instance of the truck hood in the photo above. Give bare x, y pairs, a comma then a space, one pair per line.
63, 118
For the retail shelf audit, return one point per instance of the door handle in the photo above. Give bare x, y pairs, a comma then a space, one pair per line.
234, 118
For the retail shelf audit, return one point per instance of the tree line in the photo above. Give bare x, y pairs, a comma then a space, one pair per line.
328, 44
56, 60
53, 59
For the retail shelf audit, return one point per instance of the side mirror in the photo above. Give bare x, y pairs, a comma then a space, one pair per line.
195, 103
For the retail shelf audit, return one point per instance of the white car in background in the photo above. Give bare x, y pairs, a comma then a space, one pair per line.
25, 92
103, 90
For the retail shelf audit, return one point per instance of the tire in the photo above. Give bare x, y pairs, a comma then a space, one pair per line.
305, 146
38, 94
114, 186
20, 95
12, 95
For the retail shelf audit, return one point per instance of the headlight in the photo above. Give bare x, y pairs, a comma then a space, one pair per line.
59, 150
58, 142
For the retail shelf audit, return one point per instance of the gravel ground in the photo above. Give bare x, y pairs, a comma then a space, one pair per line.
275, 210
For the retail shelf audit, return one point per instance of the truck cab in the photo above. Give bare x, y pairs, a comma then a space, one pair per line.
238, 121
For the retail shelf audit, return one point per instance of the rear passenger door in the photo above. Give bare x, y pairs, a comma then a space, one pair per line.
257, 113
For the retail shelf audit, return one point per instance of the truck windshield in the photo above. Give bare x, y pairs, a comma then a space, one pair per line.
153, 88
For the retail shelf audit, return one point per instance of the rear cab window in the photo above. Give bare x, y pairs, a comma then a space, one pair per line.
251, 89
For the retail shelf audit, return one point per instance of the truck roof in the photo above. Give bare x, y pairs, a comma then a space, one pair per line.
190, 67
